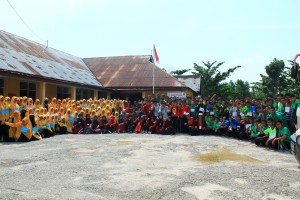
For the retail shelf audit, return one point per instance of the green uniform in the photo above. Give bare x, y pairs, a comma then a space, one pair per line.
271, 133
285, 131
278, 116
254, 131
193, 111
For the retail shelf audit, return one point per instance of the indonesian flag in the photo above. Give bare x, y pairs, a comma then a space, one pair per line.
155, 55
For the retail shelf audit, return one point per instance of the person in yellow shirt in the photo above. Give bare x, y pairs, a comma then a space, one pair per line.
15, 126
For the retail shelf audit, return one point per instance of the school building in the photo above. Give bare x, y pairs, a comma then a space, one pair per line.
34, 70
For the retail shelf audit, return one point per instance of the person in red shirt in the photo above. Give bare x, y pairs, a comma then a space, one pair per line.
200, 126
189, 126
152, 125
183, 111
111, 125
138, 125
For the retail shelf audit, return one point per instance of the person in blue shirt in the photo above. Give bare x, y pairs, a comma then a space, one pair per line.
223, 127
233, 127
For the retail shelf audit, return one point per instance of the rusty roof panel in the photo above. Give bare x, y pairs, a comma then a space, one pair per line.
130, 72
21, 55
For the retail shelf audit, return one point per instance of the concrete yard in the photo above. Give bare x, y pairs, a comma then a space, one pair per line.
145, 166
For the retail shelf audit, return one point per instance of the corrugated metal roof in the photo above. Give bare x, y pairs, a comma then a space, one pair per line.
27, 57
130, 72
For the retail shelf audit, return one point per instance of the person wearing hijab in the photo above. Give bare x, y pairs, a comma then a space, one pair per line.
15, 127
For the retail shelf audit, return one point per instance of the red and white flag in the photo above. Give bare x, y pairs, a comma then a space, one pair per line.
155, 55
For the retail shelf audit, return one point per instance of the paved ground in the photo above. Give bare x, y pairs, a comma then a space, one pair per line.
136, 166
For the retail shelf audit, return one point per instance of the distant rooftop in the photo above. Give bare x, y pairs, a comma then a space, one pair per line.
130, 72
22, 56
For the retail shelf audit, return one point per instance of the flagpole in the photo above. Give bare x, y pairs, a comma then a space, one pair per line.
156, 59
153, 78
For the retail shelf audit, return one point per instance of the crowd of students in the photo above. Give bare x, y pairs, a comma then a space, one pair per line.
267, 122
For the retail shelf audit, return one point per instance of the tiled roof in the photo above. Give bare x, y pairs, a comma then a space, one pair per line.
130, 72
19, 55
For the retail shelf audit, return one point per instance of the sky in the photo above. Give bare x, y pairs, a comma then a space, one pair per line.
246, 33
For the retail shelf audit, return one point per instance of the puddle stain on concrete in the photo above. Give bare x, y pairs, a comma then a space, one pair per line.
220, 155
121, 143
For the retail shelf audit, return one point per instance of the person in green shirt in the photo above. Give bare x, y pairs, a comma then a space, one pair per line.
211, 125
217, 124
193, 109
269, 134
283, 138
276, 116
254, 130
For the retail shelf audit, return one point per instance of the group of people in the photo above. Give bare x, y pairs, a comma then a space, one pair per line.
267, 122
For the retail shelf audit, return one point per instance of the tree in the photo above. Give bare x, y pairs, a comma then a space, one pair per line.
180, 72
278, 80
275, 81
211, 77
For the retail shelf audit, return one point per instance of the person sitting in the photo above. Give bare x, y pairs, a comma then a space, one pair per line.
78, 124
62, 125
200, 126
189, 126
145, 124
129, 124
87, 125
269, 134
111, 125
102, 123
138, 125
283, 140
121, 125
152, 125
223, 127
233, 127
159, 124
254, 130
95, 125
168, 127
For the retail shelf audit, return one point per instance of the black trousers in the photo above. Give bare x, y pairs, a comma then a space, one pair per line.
4, 133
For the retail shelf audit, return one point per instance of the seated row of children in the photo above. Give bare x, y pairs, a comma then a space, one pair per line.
269, 133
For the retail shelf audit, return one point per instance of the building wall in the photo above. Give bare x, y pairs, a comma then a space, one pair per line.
11, 86
51, 91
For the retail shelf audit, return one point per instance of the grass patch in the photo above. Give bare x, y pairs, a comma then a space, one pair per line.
121, 143
220, 155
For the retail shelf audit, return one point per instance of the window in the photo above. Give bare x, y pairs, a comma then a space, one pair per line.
102, 94
63, 92
1, 86
28, 89
78, 94
84, 94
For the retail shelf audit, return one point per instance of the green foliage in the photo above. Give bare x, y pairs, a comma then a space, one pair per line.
277, 80
211, 78
239, 89
180, 72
